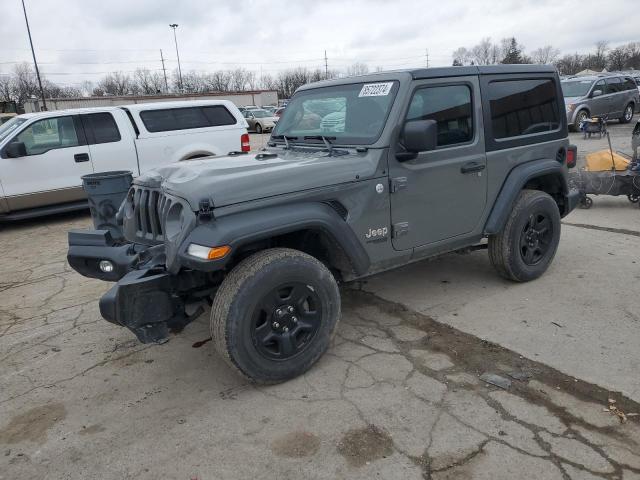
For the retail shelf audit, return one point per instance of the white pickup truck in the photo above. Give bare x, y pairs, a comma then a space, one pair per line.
43, 155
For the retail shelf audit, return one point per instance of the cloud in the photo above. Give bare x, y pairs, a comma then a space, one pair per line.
78, 37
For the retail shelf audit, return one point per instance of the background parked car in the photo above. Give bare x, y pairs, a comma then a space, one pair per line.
589, 96
43, 155
260, 120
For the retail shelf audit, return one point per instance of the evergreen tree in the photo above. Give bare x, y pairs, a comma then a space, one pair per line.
514, 52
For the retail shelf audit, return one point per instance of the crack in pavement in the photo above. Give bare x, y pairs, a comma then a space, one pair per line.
622, 231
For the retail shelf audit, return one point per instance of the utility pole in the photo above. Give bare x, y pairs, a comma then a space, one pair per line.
175, 39
427, 52
35, 63
164, 70
326, 66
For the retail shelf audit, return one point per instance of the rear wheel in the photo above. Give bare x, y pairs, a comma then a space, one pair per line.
274, 315
525, 247
627, 115
258, 128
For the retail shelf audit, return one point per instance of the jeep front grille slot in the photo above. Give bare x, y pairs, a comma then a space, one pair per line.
150, 207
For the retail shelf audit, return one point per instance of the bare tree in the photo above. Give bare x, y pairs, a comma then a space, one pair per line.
545, 55
481, 53
116, 83
6, 88
148, 82
461, 56
618, 58
357, 69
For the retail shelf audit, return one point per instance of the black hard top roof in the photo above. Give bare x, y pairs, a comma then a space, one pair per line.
438, 72
479, 70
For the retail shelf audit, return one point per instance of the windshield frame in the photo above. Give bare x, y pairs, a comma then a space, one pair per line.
11, 126
577, 81
337, 141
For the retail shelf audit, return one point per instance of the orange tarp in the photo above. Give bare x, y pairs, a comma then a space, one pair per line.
602, 161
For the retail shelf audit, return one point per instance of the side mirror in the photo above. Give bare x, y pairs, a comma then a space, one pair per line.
596, 93
15, 150
420, 136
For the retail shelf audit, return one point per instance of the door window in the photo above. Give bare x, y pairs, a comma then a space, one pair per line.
450, 107
614, 85
602, 86
103, 127
49, 134
629, 84
523, 107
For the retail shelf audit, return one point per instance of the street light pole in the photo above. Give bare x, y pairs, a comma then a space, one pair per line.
35, 63
175, 39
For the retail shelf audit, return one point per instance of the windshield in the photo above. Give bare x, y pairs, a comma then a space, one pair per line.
576, 88
260, 113
350, 114
9, 127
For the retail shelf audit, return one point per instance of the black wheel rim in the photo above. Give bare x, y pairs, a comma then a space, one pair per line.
536, 238
286, 320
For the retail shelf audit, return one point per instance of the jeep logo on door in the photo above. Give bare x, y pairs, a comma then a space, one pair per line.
376, 235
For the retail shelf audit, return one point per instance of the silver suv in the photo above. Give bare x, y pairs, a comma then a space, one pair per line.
613, 95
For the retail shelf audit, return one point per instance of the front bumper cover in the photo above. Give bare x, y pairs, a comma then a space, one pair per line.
146, 299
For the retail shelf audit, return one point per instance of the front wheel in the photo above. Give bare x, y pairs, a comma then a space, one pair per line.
580, 117
525, 247
258, 128
274, 314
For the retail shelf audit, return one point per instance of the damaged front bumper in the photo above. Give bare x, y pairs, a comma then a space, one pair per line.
146, 299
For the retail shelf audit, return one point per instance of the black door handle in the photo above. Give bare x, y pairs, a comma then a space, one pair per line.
472, 167
81, 157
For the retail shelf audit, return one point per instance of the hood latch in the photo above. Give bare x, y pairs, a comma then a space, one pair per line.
205, 211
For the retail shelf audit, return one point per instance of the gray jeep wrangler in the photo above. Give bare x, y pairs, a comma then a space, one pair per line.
360, 175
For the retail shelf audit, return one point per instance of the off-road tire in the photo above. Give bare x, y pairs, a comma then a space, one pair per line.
579, 117
258, 128
240, 296
627, 113
505, 251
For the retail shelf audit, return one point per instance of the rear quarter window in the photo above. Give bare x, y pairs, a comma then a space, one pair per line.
170, 119
523, 107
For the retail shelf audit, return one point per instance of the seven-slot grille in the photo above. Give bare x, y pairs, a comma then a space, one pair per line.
150, 207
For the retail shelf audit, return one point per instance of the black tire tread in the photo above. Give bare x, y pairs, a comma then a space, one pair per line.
227, 292
500, 248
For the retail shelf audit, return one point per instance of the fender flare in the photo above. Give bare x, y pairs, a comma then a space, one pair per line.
515, 182
240, 229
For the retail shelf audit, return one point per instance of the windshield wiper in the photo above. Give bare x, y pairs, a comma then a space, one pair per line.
326, 141
285, 138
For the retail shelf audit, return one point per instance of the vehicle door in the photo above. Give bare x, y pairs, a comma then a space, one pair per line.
617, 96
441, 194
599, 105
54, 155
110, 148
251, 119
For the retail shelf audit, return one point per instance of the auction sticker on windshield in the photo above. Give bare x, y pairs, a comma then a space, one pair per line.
375, 89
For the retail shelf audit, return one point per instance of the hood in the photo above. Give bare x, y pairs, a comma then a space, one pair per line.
234, 179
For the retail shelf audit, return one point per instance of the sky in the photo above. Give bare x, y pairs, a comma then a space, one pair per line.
77, 40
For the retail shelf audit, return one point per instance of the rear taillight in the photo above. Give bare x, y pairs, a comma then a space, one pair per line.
572, 154
245, 143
